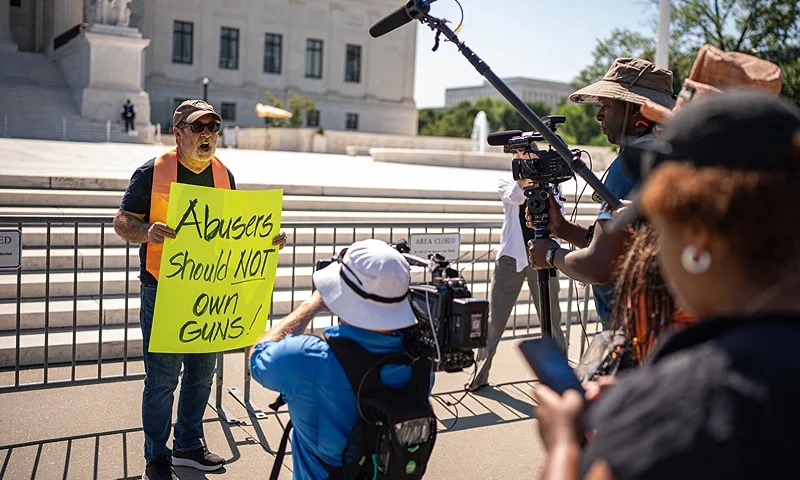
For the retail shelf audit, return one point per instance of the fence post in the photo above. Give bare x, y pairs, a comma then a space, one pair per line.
63, 128
108, 130
216, 403
237, 394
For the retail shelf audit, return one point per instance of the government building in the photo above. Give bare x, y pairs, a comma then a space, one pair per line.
98, 53
528, 89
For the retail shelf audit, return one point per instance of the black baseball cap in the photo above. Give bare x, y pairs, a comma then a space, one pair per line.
747, 129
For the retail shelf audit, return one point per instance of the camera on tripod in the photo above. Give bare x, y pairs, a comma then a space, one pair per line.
545, 168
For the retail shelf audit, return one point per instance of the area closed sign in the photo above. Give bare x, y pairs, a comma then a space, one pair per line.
10, 248
448, 244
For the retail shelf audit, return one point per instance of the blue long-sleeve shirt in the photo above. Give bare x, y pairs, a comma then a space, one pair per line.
321, 402
621, 184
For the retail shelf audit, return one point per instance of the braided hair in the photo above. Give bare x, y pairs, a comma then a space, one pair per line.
642, 307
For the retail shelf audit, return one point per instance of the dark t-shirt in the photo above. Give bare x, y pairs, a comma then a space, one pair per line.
137, 199
719, 400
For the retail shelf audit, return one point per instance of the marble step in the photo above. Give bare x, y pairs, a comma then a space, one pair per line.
36, 259
111, 199
584, 208
85, 310
447, 191
60, 284
87, 340
90, 236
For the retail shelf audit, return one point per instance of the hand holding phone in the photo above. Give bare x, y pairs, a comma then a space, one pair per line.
550, 365
553, 370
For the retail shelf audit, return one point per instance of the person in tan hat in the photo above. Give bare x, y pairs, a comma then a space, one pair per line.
141, 219
628, 84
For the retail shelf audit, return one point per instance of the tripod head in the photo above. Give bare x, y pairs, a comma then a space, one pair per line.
537, 200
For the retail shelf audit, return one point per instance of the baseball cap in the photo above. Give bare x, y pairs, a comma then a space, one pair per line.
745, 129
631, 80
191, 110
368, 287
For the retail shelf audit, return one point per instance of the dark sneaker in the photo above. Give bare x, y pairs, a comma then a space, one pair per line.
159, 468
199, 459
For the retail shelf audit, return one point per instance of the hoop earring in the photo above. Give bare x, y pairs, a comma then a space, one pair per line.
693, 266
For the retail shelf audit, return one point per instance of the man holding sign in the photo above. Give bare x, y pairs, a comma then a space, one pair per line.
143, 219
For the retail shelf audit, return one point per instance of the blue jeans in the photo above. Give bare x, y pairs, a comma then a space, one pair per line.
161, 379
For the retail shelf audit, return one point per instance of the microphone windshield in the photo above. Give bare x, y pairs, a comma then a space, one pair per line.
403, 15
501, 138
390, 22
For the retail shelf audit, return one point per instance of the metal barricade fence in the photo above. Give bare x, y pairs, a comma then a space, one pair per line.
69, 315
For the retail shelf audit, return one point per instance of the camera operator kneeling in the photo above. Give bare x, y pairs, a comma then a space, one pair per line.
717, 399
355, 397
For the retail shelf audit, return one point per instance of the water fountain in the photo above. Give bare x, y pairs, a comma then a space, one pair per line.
480, 131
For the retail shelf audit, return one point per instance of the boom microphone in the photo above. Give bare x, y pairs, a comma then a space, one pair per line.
501, 138
419, 10
400, 17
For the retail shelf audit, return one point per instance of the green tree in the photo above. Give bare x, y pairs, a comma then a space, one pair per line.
768, 29
511, 120
581, 127
458, 120
298, 105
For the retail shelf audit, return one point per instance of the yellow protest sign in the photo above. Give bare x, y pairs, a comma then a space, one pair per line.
217, 275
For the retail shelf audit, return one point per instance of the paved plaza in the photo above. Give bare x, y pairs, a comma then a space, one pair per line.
94, 432
115, 161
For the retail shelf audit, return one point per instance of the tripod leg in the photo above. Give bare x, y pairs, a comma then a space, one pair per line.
543, 280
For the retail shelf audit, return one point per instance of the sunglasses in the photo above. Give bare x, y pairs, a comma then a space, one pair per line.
198, 127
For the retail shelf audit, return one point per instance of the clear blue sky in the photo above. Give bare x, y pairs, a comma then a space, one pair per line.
547, 39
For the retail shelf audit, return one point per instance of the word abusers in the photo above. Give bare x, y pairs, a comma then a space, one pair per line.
219, 272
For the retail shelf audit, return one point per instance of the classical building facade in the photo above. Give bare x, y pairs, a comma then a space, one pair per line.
158, 52
528, 89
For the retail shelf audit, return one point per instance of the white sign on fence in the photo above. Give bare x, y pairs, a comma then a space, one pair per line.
448, 244
10, 248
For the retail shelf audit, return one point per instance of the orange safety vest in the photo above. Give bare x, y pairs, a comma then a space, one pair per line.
165, 172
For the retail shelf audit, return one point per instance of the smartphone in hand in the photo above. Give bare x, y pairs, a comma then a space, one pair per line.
550, 365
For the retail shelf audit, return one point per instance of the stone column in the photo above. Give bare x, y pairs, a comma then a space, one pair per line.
6, 42
66, 14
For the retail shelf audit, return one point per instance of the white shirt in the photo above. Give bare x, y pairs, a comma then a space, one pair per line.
512, 241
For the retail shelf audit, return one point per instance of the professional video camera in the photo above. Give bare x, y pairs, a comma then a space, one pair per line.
544, 168
451, 322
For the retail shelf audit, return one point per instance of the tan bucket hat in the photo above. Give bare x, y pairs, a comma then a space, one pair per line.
631, 80
714, 71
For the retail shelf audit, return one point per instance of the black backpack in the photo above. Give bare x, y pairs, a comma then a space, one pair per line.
396, 428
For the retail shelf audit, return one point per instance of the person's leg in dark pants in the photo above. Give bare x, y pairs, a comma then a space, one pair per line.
504, 291
198, 375
128, 124
555, 304
161, 380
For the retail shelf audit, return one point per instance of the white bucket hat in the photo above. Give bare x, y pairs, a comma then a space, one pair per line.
368, 288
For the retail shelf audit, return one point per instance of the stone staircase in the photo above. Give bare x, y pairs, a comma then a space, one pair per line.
36, 103
80, 284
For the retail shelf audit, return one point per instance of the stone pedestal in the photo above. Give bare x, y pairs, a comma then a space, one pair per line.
103, 66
